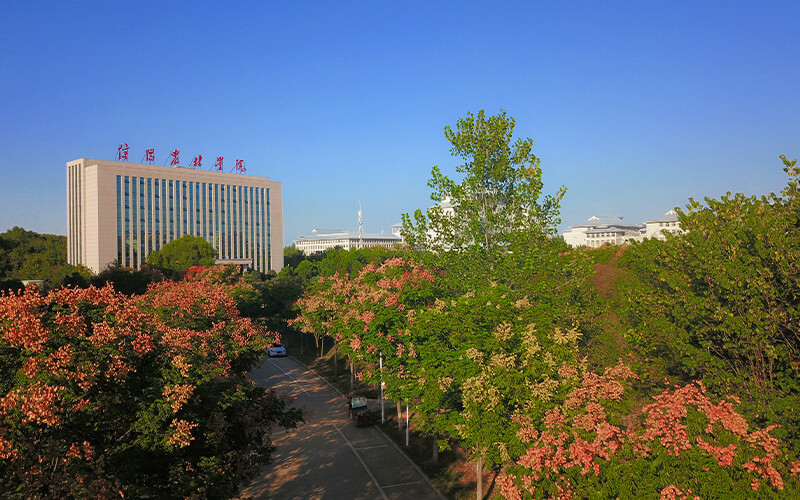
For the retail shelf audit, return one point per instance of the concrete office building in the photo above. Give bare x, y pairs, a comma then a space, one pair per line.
119, 211
321, 240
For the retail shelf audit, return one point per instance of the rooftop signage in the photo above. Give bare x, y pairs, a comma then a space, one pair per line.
174, 159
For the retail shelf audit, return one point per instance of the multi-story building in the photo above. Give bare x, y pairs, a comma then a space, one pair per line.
656, 228
599, 231
120, 212
320, 240
610, 230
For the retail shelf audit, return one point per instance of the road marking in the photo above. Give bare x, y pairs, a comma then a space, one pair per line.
290, 377
377, 485
402, 484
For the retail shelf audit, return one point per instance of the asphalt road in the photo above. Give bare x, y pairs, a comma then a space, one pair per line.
328, 457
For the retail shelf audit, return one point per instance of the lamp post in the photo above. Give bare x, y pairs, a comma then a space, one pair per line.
406, 424
383, 414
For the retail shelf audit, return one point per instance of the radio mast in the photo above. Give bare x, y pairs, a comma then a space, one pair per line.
360, 227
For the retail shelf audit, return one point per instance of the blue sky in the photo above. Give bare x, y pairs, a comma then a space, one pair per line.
633, 106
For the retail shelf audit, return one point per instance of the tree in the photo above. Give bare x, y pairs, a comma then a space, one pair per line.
683, 443
722, 301
69, 275
181, 254
105, 396
126, 280
29, 255
497, 209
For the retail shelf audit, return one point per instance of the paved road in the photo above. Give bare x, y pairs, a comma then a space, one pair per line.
329, 457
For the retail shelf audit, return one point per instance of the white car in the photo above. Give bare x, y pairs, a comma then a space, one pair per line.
276, 350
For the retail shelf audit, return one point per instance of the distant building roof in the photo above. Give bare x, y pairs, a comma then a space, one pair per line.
336, 234
611, 229
670, 216
605, 221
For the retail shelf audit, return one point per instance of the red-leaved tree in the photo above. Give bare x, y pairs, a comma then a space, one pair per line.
103, 395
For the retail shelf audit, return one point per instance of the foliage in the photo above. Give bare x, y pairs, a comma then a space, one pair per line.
721, 302
11, 285
497, 208
126, 280
245, 295
181, 254
682, 445
78, 276
27, 255
292, 256
481, 355
106, 395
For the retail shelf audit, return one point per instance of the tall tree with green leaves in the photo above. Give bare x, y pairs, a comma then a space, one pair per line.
181, 254
496, 209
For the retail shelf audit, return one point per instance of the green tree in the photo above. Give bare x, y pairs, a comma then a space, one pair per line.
722, 302
29, 255
292, 256
181, 254
69, 275
496, 209
126, 280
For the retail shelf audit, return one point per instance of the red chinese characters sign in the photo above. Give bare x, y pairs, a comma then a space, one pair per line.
174, 159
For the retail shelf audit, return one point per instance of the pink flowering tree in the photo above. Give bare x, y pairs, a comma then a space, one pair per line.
682, 444
104, 395
368, 314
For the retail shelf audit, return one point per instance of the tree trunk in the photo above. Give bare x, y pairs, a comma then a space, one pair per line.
336, 362
435, 455
399, 416
352, 375
321, 347
302, 336
479, 472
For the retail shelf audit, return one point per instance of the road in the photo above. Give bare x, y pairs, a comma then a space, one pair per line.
328, 457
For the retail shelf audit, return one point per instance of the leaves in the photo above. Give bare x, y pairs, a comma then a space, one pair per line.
154, 386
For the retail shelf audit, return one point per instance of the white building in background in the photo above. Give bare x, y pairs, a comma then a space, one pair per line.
656, 228
321, 240
602, 230
610, 230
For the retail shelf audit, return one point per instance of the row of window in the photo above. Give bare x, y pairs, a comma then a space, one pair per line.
141, 202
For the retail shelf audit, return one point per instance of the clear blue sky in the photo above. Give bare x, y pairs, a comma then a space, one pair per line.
634, 106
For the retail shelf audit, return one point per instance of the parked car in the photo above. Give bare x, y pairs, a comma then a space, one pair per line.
276, 350
357, 410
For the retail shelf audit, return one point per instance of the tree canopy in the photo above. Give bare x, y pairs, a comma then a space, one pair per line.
498, 207
181, 254
28, 255
109, 396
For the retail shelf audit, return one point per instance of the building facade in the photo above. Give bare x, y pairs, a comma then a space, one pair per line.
599, 231
321, 240
610, 230
657, 228
121, 212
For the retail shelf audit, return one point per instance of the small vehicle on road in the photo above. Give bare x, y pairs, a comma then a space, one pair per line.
276, 350
357, 410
